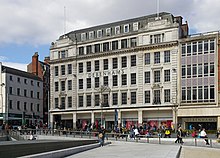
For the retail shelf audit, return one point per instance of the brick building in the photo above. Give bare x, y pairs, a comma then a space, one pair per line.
42, 70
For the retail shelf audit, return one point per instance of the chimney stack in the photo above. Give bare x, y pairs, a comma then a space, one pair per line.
35, 63
46, 60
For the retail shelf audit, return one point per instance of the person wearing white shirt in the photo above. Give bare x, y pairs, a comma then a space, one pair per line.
204, 136
136, 133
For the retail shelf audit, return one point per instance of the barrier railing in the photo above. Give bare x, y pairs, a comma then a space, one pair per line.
155, 139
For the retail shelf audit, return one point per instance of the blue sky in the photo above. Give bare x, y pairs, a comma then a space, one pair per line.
29, 26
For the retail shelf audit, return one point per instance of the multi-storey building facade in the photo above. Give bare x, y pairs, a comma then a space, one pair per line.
42, 70
120, 73
21, 97
199, 81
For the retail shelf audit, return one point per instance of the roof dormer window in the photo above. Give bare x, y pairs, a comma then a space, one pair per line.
99, 33
117, 30
126, 28
83, 36
108, 32
91, 35
135, 26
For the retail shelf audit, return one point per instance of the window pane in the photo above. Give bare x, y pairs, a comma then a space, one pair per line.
133, 60
167, 56
147, 96
157, 97
147, 58
124, 98
156, 76
133, 78
133, 98
147, 77
156, 57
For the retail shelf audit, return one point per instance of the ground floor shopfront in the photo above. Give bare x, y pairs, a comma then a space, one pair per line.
150, 119
208, 118
15, 120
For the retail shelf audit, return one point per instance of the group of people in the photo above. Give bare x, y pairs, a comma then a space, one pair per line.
202, 134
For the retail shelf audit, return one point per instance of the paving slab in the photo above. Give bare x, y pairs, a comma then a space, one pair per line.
129, 150
199, 152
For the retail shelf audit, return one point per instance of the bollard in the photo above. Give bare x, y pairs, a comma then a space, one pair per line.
195, 142
159, 141
126, 138
210, 143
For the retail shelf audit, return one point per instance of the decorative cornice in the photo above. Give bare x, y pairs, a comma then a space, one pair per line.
116, 52
156, 107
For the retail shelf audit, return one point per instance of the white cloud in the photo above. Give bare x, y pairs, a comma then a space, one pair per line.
3, 58
19, 66
39, 22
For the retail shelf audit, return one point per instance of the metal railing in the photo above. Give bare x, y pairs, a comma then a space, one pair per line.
154, 139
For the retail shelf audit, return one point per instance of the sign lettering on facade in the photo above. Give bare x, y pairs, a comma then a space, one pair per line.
105, 73
200, 119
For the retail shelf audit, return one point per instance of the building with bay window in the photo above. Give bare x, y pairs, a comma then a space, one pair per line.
122, 73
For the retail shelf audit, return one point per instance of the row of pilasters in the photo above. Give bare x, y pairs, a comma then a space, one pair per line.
140, 118
92, 116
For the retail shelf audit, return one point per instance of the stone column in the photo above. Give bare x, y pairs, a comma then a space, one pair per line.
218, 122
140, 117
174, 110
119, 118
51, 121
92, 118
74, 120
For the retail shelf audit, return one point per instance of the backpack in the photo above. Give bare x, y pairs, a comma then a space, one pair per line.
167, 132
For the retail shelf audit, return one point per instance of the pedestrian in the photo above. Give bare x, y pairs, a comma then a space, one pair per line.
101, 136
204, 136
136, 132
179, 136
218, 134
194, 133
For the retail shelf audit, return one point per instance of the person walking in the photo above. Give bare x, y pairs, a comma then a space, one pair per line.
204, 136
194, 133
179, 136
101, 136
136, 133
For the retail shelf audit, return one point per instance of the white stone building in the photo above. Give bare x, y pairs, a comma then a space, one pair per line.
121, 73
21, 96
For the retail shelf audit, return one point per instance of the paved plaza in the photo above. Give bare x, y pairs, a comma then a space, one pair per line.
119, 149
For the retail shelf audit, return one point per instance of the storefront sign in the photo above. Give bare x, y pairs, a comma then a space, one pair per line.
105, 73
200, 119
15, 115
